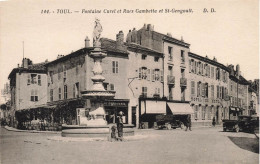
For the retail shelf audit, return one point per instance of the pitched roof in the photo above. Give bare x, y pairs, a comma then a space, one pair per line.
34, 68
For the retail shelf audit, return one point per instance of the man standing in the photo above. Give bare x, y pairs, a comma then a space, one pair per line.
188, 123
120, 125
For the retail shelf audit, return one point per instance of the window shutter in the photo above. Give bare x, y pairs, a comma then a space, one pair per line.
140, 73
29, 79
153, 77
148, 74
161, 76
116, 66
189, 65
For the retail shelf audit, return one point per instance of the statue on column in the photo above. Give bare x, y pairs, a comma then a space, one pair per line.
97, 33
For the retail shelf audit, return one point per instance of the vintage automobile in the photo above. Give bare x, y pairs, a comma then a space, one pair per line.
171, 121
244, 123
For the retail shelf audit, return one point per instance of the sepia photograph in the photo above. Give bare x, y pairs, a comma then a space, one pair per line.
134, 82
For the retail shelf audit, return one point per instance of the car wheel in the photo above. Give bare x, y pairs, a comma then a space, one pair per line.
182, 126
237, 128
169, 126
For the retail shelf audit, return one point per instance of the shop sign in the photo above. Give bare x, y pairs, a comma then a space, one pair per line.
116, 104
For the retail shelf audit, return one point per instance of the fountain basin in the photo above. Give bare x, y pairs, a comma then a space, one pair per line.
93, 131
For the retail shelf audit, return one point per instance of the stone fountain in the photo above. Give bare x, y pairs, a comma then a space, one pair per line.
95, 124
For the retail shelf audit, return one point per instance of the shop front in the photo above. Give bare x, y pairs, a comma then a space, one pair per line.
149, 109
113, 107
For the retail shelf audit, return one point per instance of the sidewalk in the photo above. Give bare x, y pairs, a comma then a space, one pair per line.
30, 131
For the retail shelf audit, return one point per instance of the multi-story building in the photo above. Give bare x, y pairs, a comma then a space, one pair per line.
238, 93
28, 85
174, 69
151, 73
209, 89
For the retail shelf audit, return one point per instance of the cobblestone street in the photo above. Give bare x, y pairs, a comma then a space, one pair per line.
202, 145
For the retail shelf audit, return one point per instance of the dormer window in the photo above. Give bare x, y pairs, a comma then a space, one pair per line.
144, 57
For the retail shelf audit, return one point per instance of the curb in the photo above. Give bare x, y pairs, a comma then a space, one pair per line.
30, 131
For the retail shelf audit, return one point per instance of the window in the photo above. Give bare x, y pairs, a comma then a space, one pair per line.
65, 92
112, 87
212, 91
192, 88
206, 90
202, 89
161, 76
212, 72
156, 74
51, 76
182, 73
182, 56
77, 90
198, 88
51, 95
203, 112
59, 73
157, 91
209, 113
190, 66
196, 112
156, 59
59, 93
115, 66
144, 57
65, 73
148, 74
34, 95
218, 91
77, 70
144, 91
39, 80
170, 53
144, 73
29, 79
34, 78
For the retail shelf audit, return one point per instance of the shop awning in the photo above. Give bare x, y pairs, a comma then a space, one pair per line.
232, 108
180, 108
154, 107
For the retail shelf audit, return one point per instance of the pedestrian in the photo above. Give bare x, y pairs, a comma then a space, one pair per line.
120, 125
214, 121
188, 123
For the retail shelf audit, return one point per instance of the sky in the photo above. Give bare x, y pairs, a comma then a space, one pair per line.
231, 33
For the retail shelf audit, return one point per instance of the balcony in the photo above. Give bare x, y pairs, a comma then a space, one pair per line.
170, 80
183, 82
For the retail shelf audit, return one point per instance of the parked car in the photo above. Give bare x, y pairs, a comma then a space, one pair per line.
170, 121
244, 123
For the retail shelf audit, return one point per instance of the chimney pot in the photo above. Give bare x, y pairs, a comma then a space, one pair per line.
87, 42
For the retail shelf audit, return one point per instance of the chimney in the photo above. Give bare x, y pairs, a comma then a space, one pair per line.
18, 65
231, 67
128, 37
238, 70
87, 42
120, 38
145, 26
25, 63
214, 59
169, 34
